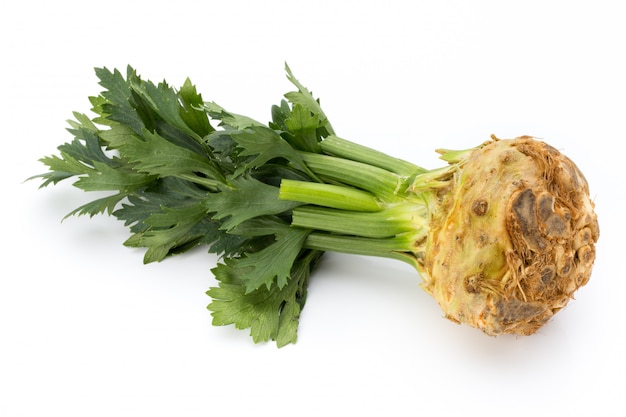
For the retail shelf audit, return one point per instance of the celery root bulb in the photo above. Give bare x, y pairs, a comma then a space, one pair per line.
511, 238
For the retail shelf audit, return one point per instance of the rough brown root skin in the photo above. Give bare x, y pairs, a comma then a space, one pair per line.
512, 239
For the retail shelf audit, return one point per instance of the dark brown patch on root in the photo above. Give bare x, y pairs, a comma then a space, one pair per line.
524, 207
480, 207
515, 311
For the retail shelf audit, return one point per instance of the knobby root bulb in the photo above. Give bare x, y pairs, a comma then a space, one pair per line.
513, 237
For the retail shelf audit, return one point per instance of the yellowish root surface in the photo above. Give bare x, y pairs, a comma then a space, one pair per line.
513, 239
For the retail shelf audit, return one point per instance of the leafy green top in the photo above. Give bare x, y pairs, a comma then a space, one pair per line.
184, 172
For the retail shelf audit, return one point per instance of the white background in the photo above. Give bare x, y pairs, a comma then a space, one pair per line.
87, 330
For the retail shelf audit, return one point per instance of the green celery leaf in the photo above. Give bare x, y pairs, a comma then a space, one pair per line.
106, 178
76, 157
138, 210
120, 105
246, 199
51, 177
82, 122
233, 120
224, 244
98, 104
87, 148
168, 229
303, 125
61, 168
165, 102
98, 206
118, 135
269, 314
190, 111
164, 192
279, 115
266, 144
168, 203
305, 98
272, 264
224, 150
157, 156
